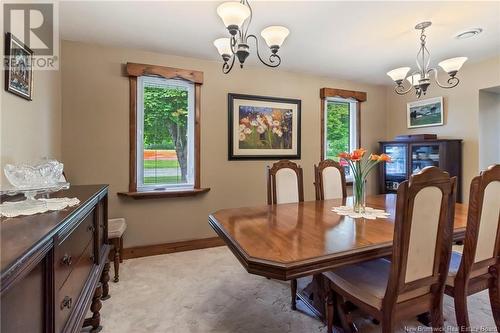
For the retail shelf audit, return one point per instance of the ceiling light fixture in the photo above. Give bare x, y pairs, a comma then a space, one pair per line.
234, 14
469, 33
420, 78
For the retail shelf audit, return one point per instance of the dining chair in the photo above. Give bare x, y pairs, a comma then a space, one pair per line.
285, 184
329, 180
478, 267
413, 282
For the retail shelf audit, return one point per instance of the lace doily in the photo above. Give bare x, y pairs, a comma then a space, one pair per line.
370, 213
31, 207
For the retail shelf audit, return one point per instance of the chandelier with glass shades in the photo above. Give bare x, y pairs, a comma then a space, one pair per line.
234, 15
420, 78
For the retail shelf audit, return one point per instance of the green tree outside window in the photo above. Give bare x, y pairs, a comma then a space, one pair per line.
337, 129
165, 122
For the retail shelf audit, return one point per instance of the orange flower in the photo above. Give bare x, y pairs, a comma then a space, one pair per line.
277, 115
358, 154
374, 157
385, 158
345, 156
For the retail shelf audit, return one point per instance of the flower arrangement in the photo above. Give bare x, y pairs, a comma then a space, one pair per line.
360, 168
265, 128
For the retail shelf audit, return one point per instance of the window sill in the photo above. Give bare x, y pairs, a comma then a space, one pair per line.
164, 194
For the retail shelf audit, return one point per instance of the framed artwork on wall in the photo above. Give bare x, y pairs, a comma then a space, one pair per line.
263, 128
18, 67
425, 113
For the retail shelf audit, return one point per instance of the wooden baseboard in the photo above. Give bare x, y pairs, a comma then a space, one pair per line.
153, 250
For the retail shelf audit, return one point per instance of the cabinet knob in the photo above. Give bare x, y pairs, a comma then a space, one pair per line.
67, 302
67, 260
91, 228
91, 257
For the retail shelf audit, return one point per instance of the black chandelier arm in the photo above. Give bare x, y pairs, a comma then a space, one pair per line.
274, 59
233, 43
452, 81
244, 30
226, 68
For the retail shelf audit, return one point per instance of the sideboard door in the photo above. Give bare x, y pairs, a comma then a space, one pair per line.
24, 306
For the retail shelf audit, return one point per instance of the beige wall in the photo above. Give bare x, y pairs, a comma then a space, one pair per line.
31, 130
489, 128
95, 99
461, 105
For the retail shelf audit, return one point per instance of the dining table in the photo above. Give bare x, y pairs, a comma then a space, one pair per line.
298, 240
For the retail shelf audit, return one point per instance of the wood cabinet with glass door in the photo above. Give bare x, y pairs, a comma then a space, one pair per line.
411, 156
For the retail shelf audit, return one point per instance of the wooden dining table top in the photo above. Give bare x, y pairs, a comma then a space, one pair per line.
289, 241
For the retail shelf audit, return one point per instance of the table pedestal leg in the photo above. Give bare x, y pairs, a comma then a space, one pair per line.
313, 295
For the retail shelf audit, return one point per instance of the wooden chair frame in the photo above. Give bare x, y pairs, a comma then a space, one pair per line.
272, 200
318, 178
393, 311
271, 179
464, 284
117, 255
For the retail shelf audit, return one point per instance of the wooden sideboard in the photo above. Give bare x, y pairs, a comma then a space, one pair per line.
54, 266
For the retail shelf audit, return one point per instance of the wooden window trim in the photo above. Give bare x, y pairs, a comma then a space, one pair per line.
134, 70
324, 94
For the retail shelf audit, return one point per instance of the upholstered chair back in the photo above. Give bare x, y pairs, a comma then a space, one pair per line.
284, 183
423, 234
482, 236
330, 180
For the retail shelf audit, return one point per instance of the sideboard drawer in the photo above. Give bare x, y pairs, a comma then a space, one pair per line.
68, 294
68, 253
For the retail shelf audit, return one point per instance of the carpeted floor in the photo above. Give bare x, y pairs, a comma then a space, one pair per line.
209, 291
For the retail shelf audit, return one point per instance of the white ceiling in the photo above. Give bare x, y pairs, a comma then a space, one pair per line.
351, 40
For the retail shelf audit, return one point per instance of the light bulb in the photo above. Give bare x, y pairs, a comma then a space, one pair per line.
223, 45
233, 13
275, 35
398, 74
414, 79
452, 65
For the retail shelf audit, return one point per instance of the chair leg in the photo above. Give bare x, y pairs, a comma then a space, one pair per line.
388, 324
116, 258
461, 312
344, 315
437, 319
121, 249
293, 290
330, 301
494, 292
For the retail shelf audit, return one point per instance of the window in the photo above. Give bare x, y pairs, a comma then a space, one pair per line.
165, 140
164, 131
340, 122
340, 127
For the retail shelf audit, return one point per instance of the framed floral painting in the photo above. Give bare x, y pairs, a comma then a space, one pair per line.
263, 128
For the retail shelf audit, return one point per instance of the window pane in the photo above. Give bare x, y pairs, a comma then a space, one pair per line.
165, 135
337, 129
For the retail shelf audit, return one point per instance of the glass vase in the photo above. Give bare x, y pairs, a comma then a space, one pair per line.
359, 196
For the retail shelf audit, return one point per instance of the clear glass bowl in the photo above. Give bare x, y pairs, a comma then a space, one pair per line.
42, 175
